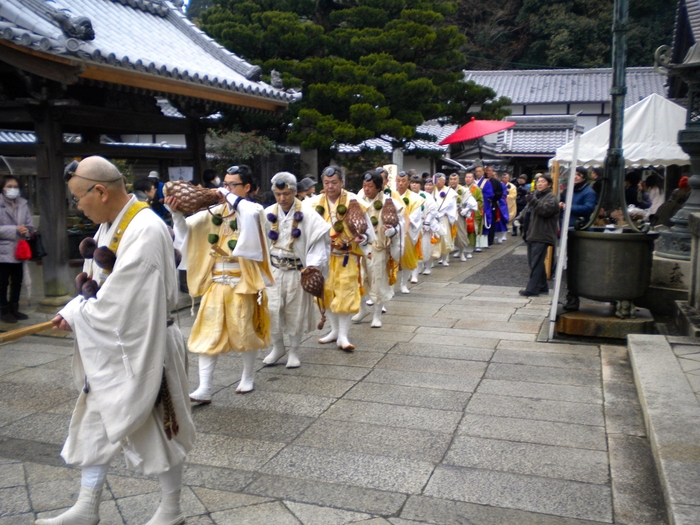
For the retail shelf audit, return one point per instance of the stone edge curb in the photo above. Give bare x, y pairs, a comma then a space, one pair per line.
672, 418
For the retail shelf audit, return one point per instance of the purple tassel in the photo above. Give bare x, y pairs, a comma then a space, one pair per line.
296, 233
272, 217
273, 235
298, 216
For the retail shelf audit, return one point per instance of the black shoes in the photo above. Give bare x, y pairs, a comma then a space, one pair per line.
7, 316
527, 293
14, 310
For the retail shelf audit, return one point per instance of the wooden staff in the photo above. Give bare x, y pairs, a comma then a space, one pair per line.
6, 337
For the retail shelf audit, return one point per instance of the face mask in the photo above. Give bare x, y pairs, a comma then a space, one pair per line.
11, 193
217, 181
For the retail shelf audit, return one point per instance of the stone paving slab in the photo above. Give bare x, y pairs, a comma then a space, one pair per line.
443, 352
516, 491
409, 396
575, 464
574, 394
529, 431
536, 409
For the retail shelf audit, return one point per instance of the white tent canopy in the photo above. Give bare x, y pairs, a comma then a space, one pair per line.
649, 138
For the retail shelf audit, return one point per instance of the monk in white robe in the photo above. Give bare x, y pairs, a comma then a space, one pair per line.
429, 229
129, 360
446, 200
298, 238
380, 269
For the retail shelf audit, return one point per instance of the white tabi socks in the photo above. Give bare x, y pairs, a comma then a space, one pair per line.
404, 280
363, 309
293, 352
86, 510
246, 382
427, 267
343, 329
206, 374
277, 350
414, 274
377, 317
333, 334
169, 511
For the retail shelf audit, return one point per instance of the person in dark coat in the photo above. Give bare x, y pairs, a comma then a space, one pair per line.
541, 233
15, 224
584, 200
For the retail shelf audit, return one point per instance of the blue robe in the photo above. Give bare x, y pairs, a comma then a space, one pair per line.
487, 192
502, 225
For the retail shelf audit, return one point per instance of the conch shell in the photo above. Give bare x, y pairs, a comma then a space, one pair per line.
355, 219
390, 215
190, 198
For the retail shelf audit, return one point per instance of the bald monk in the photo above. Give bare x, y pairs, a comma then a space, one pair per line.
129, 358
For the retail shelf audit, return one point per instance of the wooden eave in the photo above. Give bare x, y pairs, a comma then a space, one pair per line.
64, 69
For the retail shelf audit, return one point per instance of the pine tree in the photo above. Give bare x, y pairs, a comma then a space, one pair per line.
366, 68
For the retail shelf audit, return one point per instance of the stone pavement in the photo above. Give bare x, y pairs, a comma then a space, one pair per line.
450, 414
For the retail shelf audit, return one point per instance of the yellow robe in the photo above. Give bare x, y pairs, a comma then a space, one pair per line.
342, 290
409, 259
230, 318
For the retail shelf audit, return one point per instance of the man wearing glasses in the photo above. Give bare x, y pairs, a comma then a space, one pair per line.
228, 265
342, 290
129, 356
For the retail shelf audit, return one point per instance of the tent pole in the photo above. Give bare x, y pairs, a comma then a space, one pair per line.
563, 241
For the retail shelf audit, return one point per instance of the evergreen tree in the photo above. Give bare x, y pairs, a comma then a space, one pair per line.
366, 68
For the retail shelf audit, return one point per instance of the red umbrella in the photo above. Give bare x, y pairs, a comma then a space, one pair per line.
476, 129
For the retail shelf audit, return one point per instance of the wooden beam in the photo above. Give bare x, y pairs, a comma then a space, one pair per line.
59, 72
196, 145
125, 152
113, 120
138, 79
15, 116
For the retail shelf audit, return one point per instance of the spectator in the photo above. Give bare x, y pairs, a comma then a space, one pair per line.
654, 189
542, 233
584, 199
523, 188
157, 203
306, 188
669, 208
144, 190
210, 179
597, 180
15, 224
632, 197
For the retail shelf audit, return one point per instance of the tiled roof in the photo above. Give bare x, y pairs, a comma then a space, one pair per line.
149, 36
537, 134
564, 86
430, 128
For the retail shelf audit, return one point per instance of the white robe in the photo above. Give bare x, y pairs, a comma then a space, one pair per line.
122, 345
292, 310
446, 216
430, 225
374, 268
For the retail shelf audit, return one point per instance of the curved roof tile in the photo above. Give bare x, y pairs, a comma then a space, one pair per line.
151, 35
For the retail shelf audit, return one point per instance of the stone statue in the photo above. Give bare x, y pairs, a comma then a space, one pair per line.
276, 79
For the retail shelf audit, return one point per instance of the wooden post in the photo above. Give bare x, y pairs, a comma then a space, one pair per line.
52, 206
549, 260
196, 145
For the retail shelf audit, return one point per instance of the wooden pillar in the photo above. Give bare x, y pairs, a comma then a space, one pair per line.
51, 199
196, 145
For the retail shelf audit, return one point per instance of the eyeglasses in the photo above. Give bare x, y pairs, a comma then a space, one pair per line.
231, 185
76, 200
